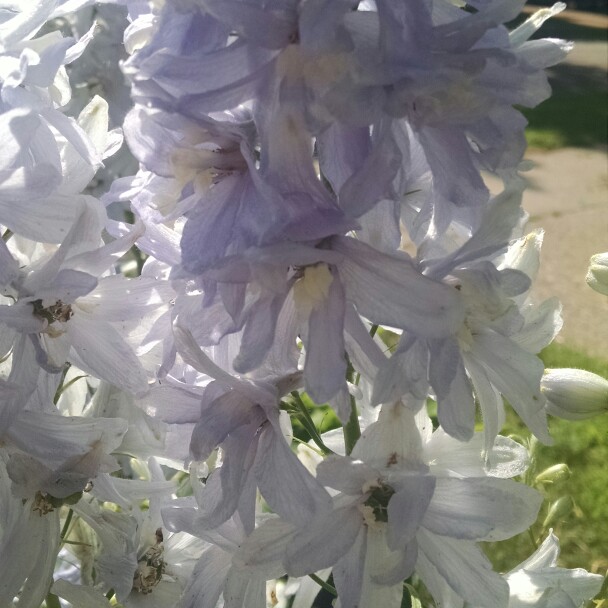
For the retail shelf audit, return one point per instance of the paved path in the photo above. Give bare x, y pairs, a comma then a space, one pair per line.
568, 197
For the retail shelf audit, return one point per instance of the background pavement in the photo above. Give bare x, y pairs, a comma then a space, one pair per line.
568, 191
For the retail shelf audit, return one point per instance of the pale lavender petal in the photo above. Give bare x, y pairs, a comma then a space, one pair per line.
388, 290
325, 365
243, 590
407, 508
349, 570
544, 557
194, 356
224, 488
21, 318
269, 27
490, 401
345, 474
9, 268
342, 150
289, 489
28, 551
101, 349
259, 333
465, 569
223, 416
374, 179
481, 509
66, 287
541, 324
46, 219
117, 298
403, 568
310, 550
516, 374
207, 581
455, 403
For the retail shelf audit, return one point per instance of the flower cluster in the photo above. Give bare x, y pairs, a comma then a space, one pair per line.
297, 216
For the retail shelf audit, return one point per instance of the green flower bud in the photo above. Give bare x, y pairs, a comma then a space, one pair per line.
554, 474
561, 508
574, 394
597, 275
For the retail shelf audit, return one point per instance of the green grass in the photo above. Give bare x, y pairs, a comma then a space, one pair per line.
569, 118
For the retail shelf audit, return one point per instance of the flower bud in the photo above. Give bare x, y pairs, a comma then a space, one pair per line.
574, 394
597, 274
561, 508
554, 474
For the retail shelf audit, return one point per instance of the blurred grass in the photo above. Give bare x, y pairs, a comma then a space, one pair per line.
583, 446
559, 27
568, 118
577, 112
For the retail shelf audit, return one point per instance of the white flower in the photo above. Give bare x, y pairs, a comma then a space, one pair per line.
406, 501
72, 314
538, 582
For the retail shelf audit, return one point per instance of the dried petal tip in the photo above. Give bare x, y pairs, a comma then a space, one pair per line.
574, 394
597, 275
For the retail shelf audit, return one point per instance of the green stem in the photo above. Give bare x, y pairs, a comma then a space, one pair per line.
60, 386
531, 535
310, 447
77, 543
323, 584
603, 593
66, 525
67, 385
52, 601
372, 333
308, 423
351, 430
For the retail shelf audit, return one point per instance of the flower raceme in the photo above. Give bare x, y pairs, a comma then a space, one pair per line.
308, 225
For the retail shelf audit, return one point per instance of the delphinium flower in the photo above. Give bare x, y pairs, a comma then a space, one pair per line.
50, 158
48, 461
289, 150
539, 580
493, 352
285, 152
68, 311
243, 417
399, 467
